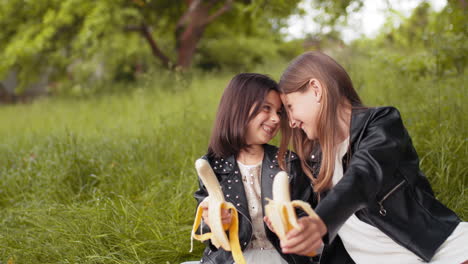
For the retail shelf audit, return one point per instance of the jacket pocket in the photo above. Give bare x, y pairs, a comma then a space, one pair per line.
383, 211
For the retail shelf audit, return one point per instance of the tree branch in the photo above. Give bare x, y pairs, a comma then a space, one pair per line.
184, 19
462, 4
157, 52
211, 3
133, 28
226, 7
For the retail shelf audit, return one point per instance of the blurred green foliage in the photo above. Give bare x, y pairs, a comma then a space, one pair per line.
426, 43
89, 40
80, 42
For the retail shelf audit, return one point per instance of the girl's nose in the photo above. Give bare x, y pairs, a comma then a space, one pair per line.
275, 118
292, 123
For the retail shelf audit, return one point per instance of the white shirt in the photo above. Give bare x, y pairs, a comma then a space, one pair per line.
260, 250
251, 175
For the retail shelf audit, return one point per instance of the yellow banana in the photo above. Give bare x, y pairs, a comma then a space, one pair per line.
216, 203
281, 211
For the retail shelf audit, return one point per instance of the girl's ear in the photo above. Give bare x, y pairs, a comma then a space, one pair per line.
316, 87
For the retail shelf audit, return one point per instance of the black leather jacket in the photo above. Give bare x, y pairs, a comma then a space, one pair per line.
230, 180
383, 185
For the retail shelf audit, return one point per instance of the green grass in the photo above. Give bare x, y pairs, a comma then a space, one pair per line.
110, 179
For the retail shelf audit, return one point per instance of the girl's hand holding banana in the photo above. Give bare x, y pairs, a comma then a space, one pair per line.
281, 218
226, 216
305, 239
219, 215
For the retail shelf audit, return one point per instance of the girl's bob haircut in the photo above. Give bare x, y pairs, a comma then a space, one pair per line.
244, 91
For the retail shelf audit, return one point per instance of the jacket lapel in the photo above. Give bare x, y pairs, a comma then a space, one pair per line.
230, 180
358, 117
270, 168
234, 189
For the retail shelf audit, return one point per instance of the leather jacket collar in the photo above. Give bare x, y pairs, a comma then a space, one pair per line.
230, 177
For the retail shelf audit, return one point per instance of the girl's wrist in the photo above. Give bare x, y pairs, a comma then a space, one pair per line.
322, 227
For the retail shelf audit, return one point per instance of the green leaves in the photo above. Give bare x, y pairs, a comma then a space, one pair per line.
77, 39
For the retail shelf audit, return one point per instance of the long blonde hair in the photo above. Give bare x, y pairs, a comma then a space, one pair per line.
337, 90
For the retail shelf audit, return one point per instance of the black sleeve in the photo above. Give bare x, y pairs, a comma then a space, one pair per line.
375, 159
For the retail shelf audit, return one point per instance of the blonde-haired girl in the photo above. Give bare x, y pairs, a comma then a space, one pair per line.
376, 206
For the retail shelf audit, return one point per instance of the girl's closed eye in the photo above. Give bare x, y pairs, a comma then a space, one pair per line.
266, 108
280, 112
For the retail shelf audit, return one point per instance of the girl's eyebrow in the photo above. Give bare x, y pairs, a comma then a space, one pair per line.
271, 104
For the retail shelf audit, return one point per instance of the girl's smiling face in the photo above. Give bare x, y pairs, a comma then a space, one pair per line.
264, 126
304, 108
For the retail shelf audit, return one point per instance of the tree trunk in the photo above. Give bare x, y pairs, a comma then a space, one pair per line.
188, 39
189, 31
191, 27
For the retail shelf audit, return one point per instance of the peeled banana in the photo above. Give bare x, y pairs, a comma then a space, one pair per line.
216, 203
281, 211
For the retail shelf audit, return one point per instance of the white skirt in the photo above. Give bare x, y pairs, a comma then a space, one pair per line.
367, 244
455, 248
265, 256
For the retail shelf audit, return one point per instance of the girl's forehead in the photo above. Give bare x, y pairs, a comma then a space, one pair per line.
273, 96
286, 98
283, 97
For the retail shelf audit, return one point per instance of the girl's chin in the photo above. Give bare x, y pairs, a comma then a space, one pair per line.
269, 135
309, 135
267, 139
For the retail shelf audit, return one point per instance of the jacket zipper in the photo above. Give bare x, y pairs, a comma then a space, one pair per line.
382, 210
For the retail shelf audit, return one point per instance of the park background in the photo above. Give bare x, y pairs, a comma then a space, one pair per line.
105, 105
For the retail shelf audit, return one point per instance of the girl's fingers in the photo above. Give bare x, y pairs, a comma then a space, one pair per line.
268, 223
204, 203
226, 216
225, 212
205, 218
308, 246
304, 240
305, 225
205, 211
306, 249
294, 233
316, 246
301, 245
204, 206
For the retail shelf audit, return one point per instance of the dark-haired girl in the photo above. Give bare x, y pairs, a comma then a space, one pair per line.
248, 117
376, 206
